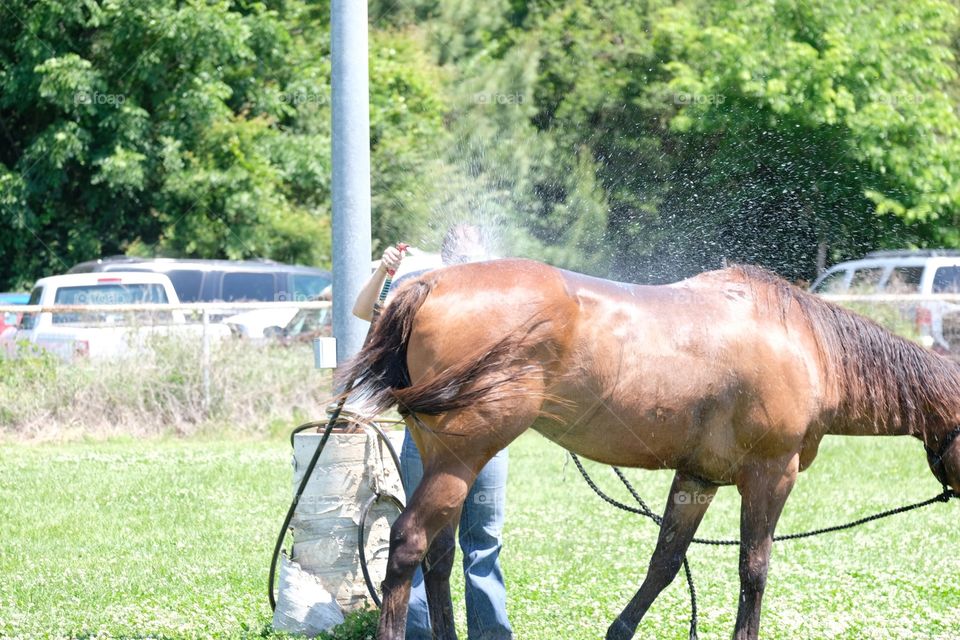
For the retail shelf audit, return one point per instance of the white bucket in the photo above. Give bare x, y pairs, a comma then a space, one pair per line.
352, 468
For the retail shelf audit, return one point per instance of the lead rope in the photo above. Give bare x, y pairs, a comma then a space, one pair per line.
645, 511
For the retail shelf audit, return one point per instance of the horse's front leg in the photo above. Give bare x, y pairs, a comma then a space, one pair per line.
764, 488
425, 523
688, 501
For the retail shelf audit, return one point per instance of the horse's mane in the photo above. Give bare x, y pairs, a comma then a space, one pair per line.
879, 376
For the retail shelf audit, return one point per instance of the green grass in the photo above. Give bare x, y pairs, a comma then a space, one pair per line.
171, 538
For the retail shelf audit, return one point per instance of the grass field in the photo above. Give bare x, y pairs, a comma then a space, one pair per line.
171, 539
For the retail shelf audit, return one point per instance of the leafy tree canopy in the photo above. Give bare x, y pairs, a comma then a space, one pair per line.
645, 141
197, 129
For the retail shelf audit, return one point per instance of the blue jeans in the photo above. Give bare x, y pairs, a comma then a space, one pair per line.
481, 537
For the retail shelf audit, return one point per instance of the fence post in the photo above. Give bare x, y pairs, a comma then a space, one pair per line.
205, 361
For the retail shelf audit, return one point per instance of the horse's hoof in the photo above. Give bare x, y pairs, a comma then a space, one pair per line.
620, 630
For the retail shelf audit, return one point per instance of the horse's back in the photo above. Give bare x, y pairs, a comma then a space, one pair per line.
652, 376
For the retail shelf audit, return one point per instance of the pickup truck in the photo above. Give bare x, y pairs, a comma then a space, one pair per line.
104, 333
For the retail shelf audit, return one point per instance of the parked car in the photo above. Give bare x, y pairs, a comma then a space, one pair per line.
101, 333
254, 324
920, 272
224, 280
9, 319
304, 326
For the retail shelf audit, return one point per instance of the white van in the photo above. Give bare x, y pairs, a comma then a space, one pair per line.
926, 272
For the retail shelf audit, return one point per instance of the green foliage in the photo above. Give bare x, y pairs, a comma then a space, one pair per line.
359, 625
188, 129
798, 122
645, 141
685, 136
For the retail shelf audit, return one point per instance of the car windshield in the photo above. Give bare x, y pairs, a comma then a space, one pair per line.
832, 283
308, 287
109, 294
307, 321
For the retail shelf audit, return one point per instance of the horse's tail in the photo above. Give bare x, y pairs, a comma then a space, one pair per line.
383, 380
381, 366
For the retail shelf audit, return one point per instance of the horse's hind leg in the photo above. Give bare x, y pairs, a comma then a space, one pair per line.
688, 501
437, 567
764, 488
426, 523
454, 449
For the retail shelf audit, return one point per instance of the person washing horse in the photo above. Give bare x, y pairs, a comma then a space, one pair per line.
481, 520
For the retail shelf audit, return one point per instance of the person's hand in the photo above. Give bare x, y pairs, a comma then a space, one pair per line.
391, 259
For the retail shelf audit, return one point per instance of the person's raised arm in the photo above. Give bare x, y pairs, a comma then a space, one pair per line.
363, 307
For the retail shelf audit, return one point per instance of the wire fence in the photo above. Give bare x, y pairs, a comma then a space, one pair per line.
156, 367
246, 365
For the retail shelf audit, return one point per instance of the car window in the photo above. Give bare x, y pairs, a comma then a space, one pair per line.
186, 283
240, 286
29, 320
904, 280
946, 280
832, 283
866, 280
308, 287
141, 293
307, 321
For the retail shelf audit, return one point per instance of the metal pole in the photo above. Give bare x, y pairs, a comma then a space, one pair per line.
351, 169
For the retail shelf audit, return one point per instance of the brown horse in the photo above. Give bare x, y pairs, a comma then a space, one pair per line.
730, 378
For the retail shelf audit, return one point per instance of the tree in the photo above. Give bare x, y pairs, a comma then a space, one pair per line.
187, 129
692, 134
806, 125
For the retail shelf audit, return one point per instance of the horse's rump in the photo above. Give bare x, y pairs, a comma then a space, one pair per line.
483, 371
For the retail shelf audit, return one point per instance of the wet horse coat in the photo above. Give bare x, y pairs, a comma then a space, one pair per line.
730, 378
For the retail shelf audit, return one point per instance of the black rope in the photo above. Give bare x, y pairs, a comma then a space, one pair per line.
278, 546
361, 543
693, 598
633, 492
645, 511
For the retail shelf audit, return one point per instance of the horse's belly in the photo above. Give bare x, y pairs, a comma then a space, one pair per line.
652, 422
608, 439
